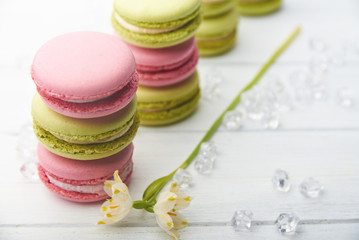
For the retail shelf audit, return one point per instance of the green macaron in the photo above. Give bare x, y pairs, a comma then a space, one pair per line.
168, 104
84, 139
217, 35
156, 23
213, 8
258, 7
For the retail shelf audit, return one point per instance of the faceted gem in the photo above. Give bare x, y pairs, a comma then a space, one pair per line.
310, 188
242, 220
232, 120
183, 178
281, 181
287, 222
345, 97
208, 149
204, 164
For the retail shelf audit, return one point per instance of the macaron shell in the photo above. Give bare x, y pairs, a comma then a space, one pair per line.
166, 66
158, 40
90, 127
168, 93
258, 8
82, 66
83, 170
217, 26
94, 109
86, 151
215, 8
215, 47
155, 10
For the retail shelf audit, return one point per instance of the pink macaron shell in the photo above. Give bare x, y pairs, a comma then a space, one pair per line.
165, 66
76, 172
82, 66
67, 168
95, 109
158, 78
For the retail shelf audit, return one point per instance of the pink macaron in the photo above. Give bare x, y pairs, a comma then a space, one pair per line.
165, 66
85, 74
82, 181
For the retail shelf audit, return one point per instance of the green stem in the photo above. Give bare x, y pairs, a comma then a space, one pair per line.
154, 188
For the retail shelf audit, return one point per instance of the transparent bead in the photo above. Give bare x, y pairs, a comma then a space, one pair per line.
319, 92
208, 149
211, 91
255, 111
26, 144
310, 188
299, 78
29, 171
183, 178
232, 120
319, 65
204, 164
317, 45
303, 95
242, 220
274, 84
281, 181
284, 101
271, 121
345, 97
211, 83
287, 222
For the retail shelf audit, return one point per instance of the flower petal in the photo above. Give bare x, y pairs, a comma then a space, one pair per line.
166, 202
183, 201
179, 221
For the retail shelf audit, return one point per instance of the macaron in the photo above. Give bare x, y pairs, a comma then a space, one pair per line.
85, 74
84, 139
156, 23
168, 104
213, 8
258, 7
82, 181
165, 66
217, 35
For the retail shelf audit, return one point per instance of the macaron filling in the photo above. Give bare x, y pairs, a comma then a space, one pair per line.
137, 29
95, 188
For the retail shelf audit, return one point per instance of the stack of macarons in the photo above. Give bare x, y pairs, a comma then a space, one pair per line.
217, 32
257, 7
84, 113
160, 34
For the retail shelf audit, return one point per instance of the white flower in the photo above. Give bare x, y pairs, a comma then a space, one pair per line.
120, 204
169, 202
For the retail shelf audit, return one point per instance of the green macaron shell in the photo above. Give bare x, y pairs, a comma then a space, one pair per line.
85, 151
258, 8
158, 40
216, 47
217, 35
163, 105
81, 130
215, 8
156, 11
156, 25
172, 115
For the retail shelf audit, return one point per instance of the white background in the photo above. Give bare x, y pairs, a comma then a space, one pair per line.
319, 140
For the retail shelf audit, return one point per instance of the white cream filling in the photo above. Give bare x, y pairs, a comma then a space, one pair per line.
136, 29
94, 189
108, 139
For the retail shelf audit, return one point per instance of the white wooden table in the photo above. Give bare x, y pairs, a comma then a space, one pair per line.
319, 140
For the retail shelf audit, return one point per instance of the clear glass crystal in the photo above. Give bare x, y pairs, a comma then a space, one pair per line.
281, 181
26, 144
284, 101
183, 178
299, 78
29, 170
232, 120
345, 97
271, 121
310, 188
319, 65
242, 220
303, 95
211, 83
204, 164
317, 45
274, 84
255, 111
208, 149
287, 222
319, 92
